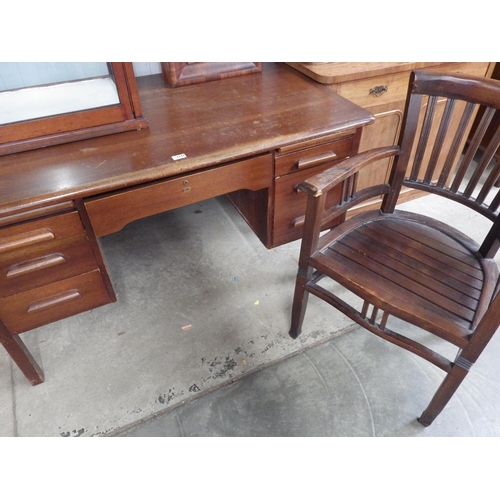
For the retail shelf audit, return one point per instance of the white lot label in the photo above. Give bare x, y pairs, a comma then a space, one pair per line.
179, 157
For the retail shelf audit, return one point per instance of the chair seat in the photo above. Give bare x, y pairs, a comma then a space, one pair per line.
412, 267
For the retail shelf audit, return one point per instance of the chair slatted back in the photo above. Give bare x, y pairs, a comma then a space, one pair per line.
436, 154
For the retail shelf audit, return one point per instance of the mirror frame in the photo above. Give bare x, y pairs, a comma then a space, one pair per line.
70, 127
178, 74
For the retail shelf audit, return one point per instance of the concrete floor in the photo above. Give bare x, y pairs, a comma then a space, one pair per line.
197, 345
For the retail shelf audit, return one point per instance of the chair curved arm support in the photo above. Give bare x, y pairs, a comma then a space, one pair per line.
323, 182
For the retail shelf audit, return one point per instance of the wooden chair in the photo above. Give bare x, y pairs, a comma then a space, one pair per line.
413, 267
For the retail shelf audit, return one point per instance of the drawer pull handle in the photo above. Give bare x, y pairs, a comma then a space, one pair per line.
25, 239
54, 300
299, 221
379, 90
35, 265
318, 159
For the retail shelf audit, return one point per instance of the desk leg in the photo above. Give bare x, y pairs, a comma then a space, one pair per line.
21, 356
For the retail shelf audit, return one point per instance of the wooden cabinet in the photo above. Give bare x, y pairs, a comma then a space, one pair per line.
381, 89
50, 269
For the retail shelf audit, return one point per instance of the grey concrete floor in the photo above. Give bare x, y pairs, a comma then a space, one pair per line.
355, 385
197, 345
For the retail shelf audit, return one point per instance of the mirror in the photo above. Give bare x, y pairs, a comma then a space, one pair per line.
46, 103
31, 90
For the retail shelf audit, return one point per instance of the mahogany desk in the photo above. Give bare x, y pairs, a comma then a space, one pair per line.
253, 137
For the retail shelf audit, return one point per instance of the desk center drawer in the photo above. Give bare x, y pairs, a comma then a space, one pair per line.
110, 213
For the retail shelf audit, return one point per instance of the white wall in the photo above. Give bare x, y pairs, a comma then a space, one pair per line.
15, 75
146, 68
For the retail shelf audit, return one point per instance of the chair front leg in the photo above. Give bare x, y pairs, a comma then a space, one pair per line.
314, 212
444, 393
300, 299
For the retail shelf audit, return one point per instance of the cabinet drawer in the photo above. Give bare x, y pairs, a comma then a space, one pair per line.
53, 302
393, 87
324, 154
40, 231
376, 91
110, 213
38, 265
290, 205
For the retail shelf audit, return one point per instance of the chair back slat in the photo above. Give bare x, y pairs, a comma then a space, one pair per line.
463, 128
440, 138
424, 137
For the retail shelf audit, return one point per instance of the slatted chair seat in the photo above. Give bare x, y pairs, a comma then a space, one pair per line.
407, 265
404, 266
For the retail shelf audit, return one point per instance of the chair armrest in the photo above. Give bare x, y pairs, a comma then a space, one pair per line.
323, 182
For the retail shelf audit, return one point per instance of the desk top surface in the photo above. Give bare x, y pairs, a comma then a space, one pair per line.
211, 123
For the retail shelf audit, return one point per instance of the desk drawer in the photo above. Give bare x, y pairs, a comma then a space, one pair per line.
38, 265
290, 205
53, 302
39, 231
324, 154
110, 213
